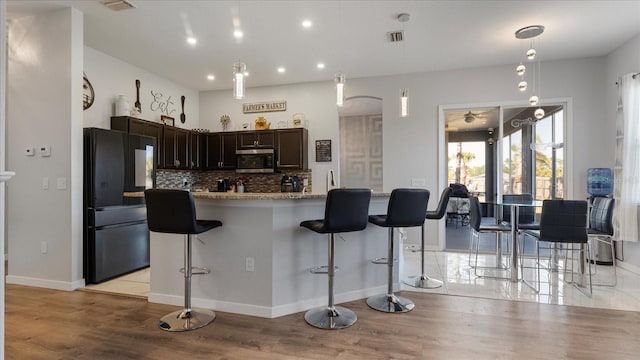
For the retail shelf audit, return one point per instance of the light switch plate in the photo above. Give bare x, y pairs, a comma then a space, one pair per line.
45, 183
418, 182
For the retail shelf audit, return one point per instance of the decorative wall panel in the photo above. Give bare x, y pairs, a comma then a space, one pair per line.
361, 151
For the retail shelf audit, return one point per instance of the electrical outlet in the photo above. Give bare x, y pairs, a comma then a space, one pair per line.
250, 263
61, 183
43, 247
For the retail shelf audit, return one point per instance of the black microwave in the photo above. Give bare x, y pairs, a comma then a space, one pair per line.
255, 161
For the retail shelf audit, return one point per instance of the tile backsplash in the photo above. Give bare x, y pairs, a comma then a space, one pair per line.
263, 183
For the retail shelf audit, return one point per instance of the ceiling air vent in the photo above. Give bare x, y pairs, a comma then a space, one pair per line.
117, 5
395, 36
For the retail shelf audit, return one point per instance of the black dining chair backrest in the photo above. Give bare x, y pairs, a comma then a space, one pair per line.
346, 210
601, 215
526, 214
407, 207
564, 221
439, 212
475, 213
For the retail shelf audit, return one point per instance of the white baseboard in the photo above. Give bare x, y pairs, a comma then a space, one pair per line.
45, 283
265, 311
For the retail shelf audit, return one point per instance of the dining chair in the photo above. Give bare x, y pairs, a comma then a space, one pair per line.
526, 214
478, 228
563, 222
600, 230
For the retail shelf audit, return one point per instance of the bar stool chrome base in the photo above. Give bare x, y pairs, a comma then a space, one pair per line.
422, 282
390, 303
336, 317
182, 320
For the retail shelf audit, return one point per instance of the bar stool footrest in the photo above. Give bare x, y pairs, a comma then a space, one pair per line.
198, 270
324, 269
382, 261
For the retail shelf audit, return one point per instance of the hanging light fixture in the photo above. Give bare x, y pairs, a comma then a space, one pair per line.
340, 79
404, 103
239, 70
530, 32
404, 93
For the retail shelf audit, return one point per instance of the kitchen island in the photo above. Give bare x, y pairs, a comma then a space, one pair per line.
260, 258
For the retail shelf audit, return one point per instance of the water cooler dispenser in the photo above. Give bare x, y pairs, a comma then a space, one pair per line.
600, 183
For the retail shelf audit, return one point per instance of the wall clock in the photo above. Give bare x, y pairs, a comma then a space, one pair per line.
87, 93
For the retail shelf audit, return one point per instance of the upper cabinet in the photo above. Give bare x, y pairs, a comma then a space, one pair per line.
256, 139
196, 156
220, 151
291, 148
176, 148
141, 127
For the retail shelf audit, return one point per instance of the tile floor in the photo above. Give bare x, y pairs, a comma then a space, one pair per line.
459, 279
135, 284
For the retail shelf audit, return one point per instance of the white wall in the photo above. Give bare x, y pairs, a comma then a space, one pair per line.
45, 108
47, 59
624, 60
410, 145
111, 77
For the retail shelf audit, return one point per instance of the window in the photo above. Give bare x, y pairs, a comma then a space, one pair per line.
467, 165
549, 158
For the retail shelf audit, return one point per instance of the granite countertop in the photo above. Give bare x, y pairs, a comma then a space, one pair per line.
255, 196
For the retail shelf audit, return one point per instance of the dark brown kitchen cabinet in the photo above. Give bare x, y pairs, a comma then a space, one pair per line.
220, 151
196, 155
176, 148
291, 148
256, 139
141, 127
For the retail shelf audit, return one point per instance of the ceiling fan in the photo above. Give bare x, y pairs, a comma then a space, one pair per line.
470, 117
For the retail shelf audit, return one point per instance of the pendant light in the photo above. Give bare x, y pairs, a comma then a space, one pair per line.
239, 70
404, 103
404, 93
530, 32
340, 79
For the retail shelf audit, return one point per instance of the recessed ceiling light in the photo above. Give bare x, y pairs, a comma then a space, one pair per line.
306, 24
238, 34
210, 77
320, 66
281, 70
191, 40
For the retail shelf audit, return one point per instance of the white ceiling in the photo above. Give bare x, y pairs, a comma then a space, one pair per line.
348, 36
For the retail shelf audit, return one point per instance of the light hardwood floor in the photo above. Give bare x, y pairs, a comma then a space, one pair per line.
50, 324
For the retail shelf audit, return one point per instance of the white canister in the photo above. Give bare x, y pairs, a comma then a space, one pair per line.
122, 106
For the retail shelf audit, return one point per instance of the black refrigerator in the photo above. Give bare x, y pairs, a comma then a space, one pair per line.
116, 236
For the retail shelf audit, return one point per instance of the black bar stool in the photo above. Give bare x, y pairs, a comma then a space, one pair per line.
346, 210
423, 281
173, 212
407, 208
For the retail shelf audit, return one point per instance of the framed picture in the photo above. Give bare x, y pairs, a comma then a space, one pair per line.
323, 150
167, 120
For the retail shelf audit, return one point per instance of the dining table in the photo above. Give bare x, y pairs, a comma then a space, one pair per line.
514, 211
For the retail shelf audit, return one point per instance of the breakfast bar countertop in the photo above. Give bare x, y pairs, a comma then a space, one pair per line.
255, 196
